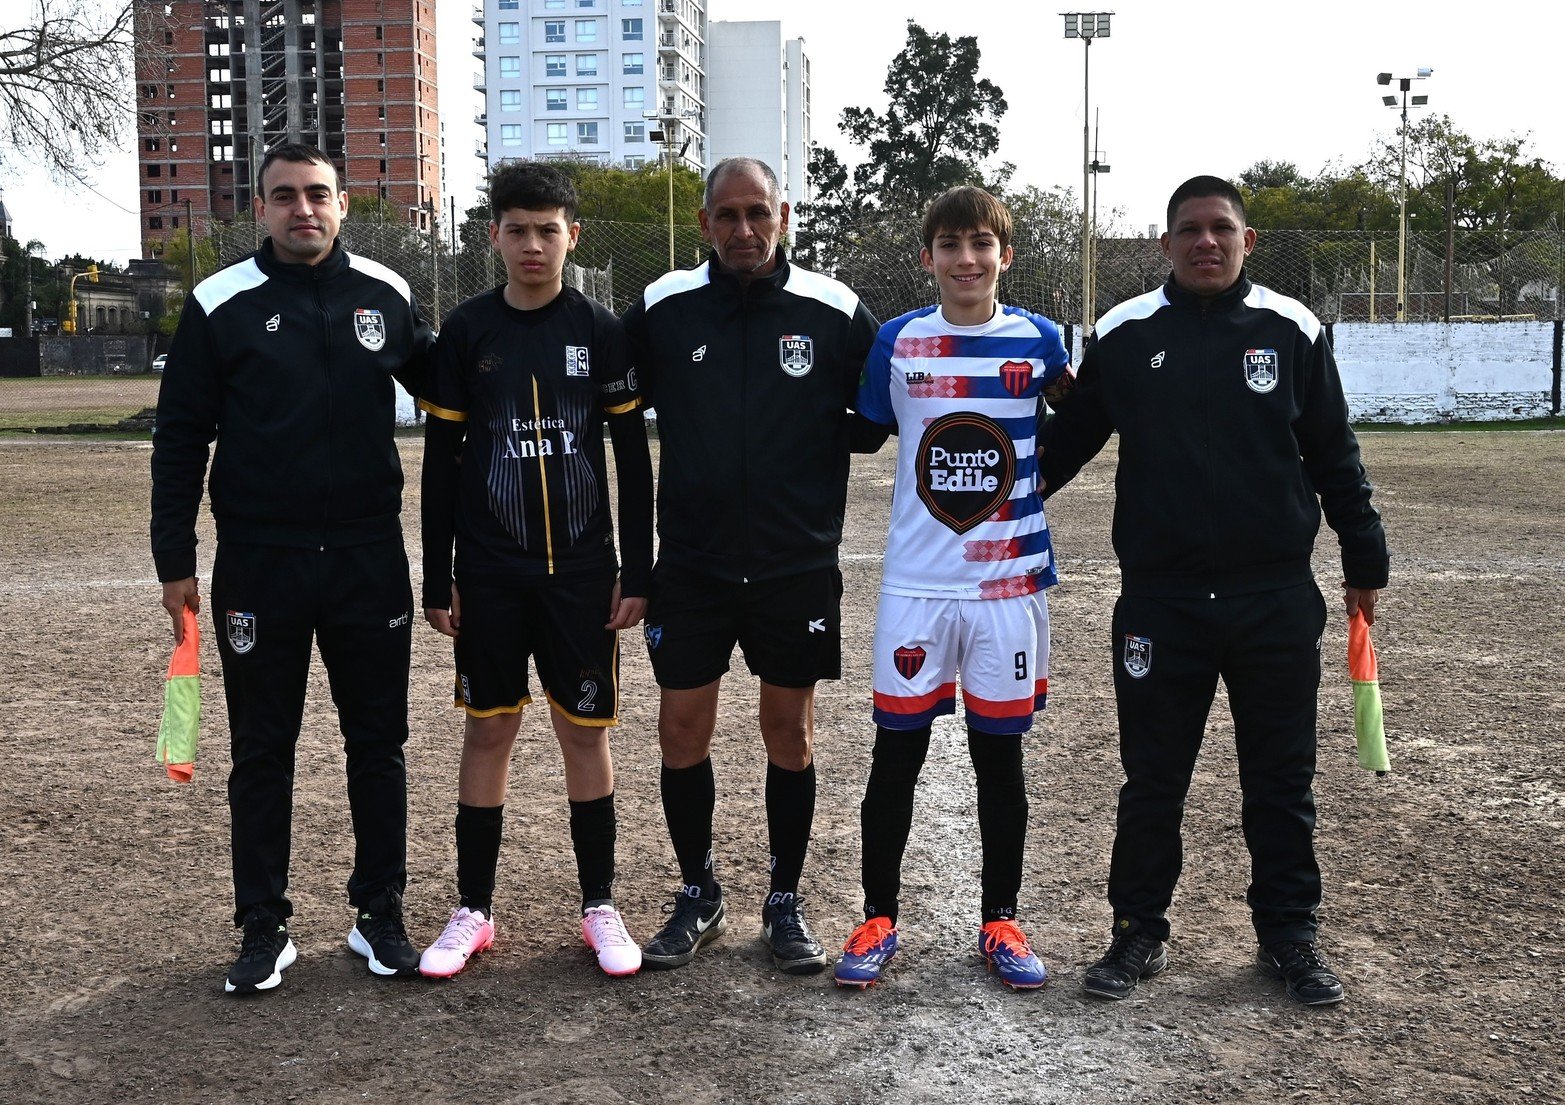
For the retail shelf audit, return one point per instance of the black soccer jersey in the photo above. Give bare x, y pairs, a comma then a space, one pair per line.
532, 388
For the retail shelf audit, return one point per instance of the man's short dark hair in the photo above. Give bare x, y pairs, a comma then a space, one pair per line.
739, 164
966, 208
530, 186
300, 153
1200, 187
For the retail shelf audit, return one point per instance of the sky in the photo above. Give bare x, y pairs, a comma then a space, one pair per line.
1179, 88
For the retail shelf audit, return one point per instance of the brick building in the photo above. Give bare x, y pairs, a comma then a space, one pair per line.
220, 81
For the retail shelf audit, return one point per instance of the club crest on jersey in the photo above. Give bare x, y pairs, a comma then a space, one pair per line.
909, 660
1138, 655
369, 326
241, 631
965, 468
1016, 375
1260, 369
796, 354
576, 361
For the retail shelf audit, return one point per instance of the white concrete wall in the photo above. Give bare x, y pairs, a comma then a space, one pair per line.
1441, 372
746, 109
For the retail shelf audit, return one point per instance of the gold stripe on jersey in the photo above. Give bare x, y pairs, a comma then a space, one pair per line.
442, 412
494, 712
543, 477
623, 408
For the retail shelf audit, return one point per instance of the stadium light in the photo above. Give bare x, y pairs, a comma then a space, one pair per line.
1404, 84
1086, 26
666, 133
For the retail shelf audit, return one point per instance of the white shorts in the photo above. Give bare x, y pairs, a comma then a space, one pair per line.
1001, 647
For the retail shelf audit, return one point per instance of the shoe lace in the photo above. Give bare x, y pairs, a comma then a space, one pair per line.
788, 922
1127, 946
867, 936
1006, 934
1300, 956
459, 931
384, 922
608, 927
260, 931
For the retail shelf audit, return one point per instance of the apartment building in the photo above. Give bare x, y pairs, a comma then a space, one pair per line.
758, 88
220, 81
593, 79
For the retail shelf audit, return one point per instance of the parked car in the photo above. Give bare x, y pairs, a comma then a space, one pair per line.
159, 361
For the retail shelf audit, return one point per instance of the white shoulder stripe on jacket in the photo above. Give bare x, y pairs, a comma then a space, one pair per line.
220, 287
831, 292
1143, 306
673, 283
1291, 309
382, 273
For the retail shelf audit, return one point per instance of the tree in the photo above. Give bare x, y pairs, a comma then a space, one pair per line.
937, 131
939, 125
64, 92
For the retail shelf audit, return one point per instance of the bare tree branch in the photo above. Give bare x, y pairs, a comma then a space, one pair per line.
66, 96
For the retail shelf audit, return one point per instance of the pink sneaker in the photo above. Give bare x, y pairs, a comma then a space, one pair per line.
604, 931
467, 933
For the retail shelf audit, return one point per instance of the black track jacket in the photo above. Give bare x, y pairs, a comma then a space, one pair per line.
1233, 435
290, 368
752, 385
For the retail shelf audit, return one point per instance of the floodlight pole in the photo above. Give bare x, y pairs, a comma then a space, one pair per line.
1403, 85
1086, 26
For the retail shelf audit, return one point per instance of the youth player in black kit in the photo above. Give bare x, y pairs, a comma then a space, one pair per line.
514, 470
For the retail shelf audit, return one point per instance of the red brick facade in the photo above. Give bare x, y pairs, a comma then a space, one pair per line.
218, 81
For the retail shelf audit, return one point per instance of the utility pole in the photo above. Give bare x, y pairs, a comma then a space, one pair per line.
190, 240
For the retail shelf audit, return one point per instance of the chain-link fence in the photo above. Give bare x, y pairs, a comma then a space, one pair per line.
1342, 277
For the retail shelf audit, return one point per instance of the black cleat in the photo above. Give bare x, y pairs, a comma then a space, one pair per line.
1135, 954
379, 937
1300, 965
693, 921
794, 950
264, 955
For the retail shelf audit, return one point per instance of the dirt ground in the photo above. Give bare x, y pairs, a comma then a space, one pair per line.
1443, 904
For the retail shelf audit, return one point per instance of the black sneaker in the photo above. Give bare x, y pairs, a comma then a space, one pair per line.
1300, 965
693, 921
794, 950
264, 955
379, 937
1135, 954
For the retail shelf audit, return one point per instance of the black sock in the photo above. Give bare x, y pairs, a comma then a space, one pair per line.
1002, 819
477, 854
790, 811
689, 794
886, 815
592, 836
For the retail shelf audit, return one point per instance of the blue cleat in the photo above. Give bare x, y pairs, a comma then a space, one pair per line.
1004, 948
866, 953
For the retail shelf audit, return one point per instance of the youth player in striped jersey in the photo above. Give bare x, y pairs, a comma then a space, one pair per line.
967, 559
525, 376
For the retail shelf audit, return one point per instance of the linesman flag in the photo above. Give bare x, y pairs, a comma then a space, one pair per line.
181, 724
1369, 725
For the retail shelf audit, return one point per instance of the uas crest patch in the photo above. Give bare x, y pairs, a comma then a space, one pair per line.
1138, 655
796, 354
241, 631
1260, 369
966, 467
909, 660
369, 326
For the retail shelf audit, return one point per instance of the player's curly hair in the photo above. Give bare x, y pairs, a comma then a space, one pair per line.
530, 186
966, 208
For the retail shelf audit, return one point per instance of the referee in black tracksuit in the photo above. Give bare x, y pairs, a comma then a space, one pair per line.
1234, 436
287, 360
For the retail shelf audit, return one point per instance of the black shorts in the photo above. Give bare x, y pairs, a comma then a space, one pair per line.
560, 625
789, 629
